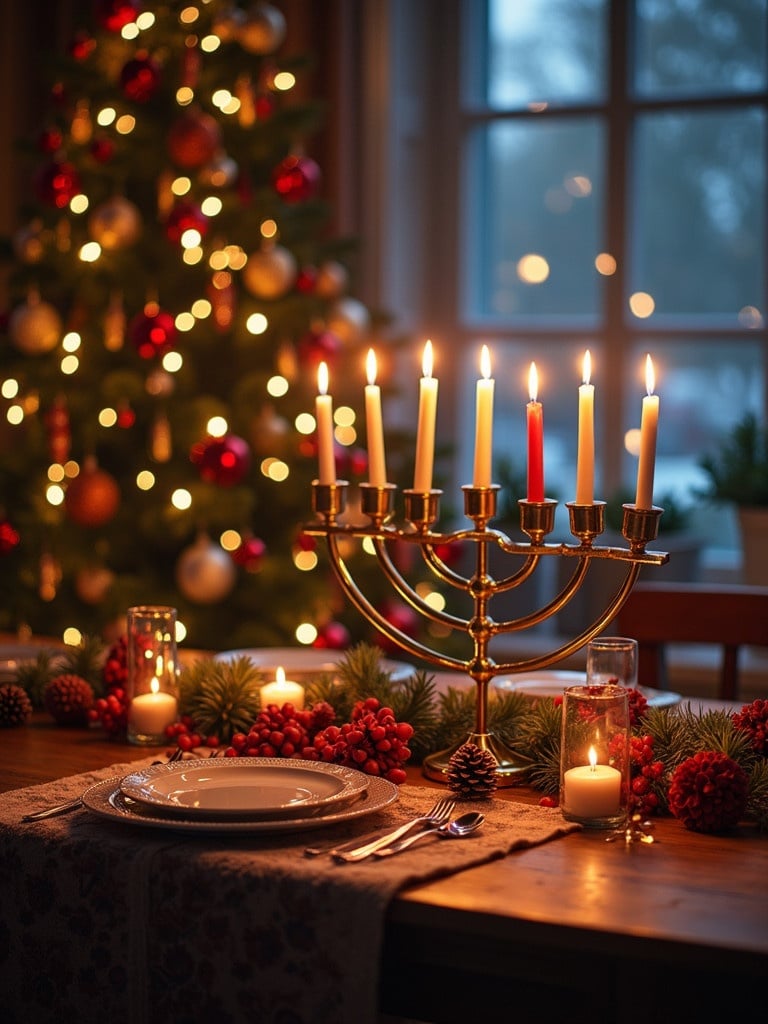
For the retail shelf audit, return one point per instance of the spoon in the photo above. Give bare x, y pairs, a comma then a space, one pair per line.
460, 827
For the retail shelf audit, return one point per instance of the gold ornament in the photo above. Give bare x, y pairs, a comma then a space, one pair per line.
270, 272
35, 326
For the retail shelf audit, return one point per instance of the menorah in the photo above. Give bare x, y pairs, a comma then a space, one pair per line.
537, 518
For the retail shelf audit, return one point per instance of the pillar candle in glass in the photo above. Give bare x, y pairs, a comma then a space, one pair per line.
152, 670
594, 756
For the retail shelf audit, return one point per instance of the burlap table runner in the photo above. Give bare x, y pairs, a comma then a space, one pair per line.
105, 921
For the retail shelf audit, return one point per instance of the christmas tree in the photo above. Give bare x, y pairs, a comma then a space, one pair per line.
173, 290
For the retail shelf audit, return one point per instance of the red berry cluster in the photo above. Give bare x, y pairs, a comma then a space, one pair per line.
373, 742
187, 737
281, 731
115, 670
645, 774
753, 719
111, 710
638, 705
709, 792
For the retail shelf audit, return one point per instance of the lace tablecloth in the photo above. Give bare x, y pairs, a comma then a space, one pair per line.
104, 921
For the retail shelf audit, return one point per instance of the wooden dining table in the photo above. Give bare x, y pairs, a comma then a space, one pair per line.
580, 929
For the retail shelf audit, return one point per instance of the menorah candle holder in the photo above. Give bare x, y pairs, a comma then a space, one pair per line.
422, 510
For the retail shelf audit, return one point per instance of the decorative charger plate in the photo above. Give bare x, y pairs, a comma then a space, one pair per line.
244, 787
106, 800
304, 662
551, 683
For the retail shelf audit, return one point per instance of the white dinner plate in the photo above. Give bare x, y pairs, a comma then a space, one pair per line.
107, 800
551, 683
239, 787
13, 656
305, 662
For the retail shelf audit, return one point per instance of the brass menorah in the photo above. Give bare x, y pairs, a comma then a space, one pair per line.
422, 511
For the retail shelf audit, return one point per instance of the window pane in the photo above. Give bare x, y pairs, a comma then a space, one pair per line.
704, 388
534, 219
545, 51
706, 47
699, 212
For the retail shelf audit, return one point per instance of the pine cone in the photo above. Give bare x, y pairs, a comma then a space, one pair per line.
472, 772
708, 792
68, 699
15, 706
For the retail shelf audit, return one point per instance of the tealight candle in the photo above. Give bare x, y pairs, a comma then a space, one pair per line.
282, 691
592, 790
150, 713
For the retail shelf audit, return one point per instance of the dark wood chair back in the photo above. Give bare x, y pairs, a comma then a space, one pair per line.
731, 617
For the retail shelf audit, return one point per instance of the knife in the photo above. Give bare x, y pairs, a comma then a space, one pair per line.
358, 849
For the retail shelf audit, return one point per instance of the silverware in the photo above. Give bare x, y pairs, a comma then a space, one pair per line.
72, 805
357, 850
459, 828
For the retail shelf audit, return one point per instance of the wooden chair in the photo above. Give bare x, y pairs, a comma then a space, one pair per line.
731, 617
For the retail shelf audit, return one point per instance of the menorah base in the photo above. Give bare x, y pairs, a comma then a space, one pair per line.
510, 765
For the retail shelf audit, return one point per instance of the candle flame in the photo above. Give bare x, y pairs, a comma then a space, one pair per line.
650, 376
154, 685
592, 757
587, 370
279, 674
322, 378
533, 382
370, 366
485, 362
426, 360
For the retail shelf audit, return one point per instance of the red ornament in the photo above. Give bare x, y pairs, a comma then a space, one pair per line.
265, 106
50, 140
296, 178
333, 636
56, 183
185, 217
450, 554
403, 618
9, 538
102, 149
250, 554
126, 417
224, 461
92, 498
140, 79
82, 46
58, 429
194, 139
305, 282
316, 347
115, 14
152, 332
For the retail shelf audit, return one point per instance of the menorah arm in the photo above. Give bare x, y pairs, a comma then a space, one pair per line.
409, 595
374, 616
571, 646
554, 606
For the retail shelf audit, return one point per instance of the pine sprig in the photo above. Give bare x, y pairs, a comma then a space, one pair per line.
34, 676
221, 697
757, 800
86, 660
539, 737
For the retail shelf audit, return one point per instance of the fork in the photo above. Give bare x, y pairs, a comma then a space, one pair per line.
441, 812
72, 805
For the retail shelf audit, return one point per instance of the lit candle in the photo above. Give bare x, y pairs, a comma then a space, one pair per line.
150, 713
592, 790
282, 691
585, 462
649, 424
425, 433
324, 417
535, 417
377, 470
484, 423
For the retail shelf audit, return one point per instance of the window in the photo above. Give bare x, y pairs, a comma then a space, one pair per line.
611, 189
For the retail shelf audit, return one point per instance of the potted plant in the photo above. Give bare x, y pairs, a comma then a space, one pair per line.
738, 475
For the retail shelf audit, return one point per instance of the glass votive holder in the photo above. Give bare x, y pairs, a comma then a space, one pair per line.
594, 755
152, 672
612, 660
